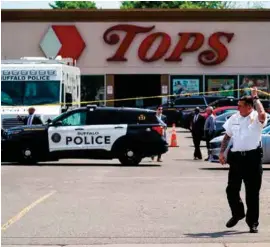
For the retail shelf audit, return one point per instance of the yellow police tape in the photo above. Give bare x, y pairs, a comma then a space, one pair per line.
149, 97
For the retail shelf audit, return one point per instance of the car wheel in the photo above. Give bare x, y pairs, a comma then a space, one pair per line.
27, 156
129, 156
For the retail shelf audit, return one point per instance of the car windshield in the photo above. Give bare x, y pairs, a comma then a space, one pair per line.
224, 102
224, 116
210, 99
226, 111
266, 130
30, 92
61, 116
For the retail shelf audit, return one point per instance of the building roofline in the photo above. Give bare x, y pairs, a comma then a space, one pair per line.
136, 15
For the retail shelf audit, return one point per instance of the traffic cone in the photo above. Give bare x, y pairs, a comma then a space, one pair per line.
173, 137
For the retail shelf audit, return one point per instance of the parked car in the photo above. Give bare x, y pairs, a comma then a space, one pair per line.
215, 145
220, 110
225, 101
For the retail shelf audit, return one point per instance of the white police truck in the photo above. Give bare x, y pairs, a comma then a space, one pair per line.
49, 85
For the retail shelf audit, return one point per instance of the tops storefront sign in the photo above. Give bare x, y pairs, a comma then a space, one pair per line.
216, 54
28, 75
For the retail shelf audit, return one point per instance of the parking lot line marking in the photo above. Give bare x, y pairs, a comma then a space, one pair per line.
25, 211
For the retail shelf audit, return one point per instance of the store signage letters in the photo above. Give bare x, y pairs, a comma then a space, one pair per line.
216, 54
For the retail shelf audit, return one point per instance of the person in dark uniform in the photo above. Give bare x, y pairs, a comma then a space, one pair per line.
163, 118
244, 159
197, 132
31, 119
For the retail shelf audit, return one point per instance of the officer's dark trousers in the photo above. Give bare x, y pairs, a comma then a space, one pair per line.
196, 142
246, 167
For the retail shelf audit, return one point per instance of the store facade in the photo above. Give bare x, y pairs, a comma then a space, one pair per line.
134, 54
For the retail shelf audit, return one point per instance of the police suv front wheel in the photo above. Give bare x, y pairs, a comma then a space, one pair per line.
130, 157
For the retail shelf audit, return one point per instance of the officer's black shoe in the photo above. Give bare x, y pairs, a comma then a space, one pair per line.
233, 221
253, 229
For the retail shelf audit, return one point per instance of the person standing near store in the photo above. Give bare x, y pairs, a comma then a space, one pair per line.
163, 118
209, 128
31, 119
197, 132
244, 159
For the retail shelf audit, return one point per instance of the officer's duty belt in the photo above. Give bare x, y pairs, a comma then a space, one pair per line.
245, 153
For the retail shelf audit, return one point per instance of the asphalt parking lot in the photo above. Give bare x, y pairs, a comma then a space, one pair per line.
83, 202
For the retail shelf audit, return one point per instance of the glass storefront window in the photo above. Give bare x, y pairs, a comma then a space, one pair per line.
259, 81
181, 84
92, 89
220, 85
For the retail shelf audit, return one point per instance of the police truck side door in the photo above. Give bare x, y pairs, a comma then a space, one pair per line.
63, 135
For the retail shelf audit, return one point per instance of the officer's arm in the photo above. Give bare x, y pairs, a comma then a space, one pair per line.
260, 110
224, 143
258, 105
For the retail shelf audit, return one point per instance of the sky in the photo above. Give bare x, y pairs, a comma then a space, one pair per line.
100, 4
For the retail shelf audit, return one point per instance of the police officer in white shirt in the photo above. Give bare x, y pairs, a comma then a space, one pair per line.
244, 159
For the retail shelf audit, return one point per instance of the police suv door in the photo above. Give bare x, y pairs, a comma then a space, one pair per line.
63, 135
103, 130
85, 129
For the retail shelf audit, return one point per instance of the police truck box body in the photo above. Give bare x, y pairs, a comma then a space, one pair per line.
91, 132
48, 85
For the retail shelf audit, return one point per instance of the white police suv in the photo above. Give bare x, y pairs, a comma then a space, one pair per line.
91, 132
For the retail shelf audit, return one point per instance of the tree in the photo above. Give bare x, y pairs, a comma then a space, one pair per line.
73, 5
171, 5
182, 5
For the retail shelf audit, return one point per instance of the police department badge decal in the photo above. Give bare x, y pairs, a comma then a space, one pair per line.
56, 138
141, 117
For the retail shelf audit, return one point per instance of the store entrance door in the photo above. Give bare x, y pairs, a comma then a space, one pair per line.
134, 86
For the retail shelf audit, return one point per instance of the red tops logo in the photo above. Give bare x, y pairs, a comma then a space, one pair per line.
64, 40
213, 56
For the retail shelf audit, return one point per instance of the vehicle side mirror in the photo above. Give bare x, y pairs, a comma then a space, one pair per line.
58, 123
49, 121
64, 109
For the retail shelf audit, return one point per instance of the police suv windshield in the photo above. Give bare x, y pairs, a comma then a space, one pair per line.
30, 92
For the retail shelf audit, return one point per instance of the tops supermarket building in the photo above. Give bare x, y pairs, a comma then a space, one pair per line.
140, 53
